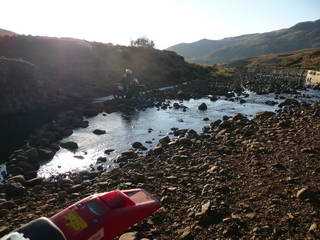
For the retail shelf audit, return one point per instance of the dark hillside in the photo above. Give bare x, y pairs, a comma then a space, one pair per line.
41, 76
4, 32
71, 68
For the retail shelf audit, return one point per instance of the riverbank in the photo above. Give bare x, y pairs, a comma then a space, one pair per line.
249, 179
44, 142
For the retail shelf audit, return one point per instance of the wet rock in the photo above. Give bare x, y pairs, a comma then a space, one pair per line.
271, 103
84, 124
176, 105
215, 123
229, 95
213, 98
101, 159
108, 151
165, 140
202, 107
242, 101
126, 156
225, 118
191, 134
138, 145
206, 129
99, 132
180, 132
289, 102
69, 145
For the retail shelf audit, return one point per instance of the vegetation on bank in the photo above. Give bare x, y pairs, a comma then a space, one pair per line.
72, 68
303, 59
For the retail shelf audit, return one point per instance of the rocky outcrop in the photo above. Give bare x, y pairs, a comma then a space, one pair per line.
21, 86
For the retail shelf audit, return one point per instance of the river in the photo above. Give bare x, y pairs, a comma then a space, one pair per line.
123, 130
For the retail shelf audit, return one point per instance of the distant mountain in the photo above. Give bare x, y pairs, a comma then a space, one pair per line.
301, 36
4, 32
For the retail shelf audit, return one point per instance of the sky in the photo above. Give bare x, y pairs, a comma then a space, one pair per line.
167, 22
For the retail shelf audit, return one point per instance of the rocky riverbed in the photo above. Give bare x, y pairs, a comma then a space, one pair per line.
241, 179
96, 142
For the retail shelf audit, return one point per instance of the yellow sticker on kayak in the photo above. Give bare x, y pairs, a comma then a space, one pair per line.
75, 222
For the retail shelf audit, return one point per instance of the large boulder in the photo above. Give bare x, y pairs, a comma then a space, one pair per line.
139, 145
99, 131
202, 107
72, 146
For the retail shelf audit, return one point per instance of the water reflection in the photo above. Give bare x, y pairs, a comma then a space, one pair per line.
124, 129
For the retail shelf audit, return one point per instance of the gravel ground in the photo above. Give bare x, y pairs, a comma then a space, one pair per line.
242, 179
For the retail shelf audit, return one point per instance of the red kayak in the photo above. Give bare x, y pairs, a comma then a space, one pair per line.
105, 215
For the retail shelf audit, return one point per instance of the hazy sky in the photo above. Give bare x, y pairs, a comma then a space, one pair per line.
167, 22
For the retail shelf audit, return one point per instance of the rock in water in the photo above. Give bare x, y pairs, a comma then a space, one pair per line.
101, 159
69, 145
242, 101
176, 105
202, 107
139, 145
108, 151
99, 131
289, 102
271, 103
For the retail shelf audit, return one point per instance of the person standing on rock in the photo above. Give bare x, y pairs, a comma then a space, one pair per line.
127, 80
130, 84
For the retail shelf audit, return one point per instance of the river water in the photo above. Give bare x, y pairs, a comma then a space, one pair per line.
123, 130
